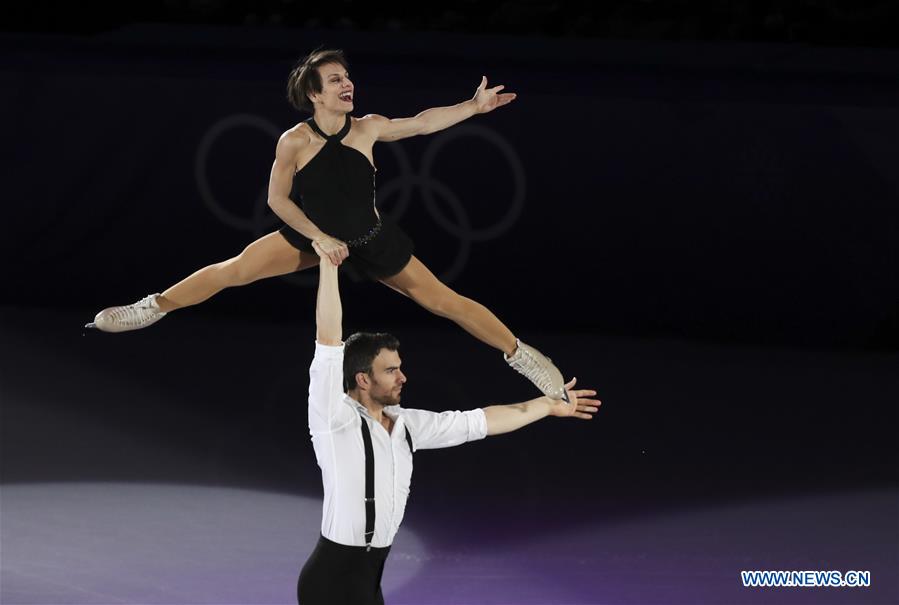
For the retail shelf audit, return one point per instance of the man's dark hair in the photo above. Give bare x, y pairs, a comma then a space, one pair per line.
305, 79
359, 353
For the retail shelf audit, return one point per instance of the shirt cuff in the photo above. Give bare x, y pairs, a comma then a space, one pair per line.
478, 423
328, 351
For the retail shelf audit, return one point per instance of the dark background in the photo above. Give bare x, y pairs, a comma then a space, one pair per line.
707, 233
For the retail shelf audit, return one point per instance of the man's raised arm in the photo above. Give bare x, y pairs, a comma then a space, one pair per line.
328, 311
327, 411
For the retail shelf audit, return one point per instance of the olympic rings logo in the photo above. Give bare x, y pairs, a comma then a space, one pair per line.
405, 184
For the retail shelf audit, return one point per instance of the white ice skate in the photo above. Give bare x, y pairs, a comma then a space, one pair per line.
539, 369
135, 316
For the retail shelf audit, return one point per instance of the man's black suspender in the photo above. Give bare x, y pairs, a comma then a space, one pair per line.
409, 439
370, 480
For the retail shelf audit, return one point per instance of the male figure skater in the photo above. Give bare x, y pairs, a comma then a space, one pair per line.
364, 443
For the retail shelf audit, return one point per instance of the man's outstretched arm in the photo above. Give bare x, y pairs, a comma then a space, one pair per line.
438, 118
328, 311
508, 418
431, 430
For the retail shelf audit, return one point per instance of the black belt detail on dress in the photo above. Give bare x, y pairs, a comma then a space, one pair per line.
367, 237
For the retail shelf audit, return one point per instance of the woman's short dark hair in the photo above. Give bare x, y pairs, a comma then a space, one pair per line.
305, 79
359, 353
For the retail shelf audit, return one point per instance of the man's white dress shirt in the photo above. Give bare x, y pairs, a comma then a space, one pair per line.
334, 423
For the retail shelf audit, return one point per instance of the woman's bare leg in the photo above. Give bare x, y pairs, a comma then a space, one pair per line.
418, 283
268, 256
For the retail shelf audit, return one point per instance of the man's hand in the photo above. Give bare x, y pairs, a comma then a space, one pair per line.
487, 99
331, 248
581, 405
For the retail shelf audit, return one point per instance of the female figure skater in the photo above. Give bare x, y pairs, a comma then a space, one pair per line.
322, 187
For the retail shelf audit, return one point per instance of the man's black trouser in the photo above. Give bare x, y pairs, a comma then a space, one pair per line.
342, 575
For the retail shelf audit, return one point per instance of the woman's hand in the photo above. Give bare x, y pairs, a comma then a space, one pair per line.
487, 99
331, 248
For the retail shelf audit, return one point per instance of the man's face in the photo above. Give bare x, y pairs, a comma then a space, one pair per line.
386, 378
337, 89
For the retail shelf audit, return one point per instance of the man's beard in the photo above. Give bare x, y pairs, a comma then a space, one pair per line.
388, 399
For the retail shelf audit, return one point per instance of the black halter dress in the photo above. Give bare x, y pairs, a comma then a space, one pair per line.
336, 190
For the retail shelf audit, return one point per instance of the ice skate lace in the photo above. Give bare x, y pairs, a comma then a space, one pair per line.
135, 314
